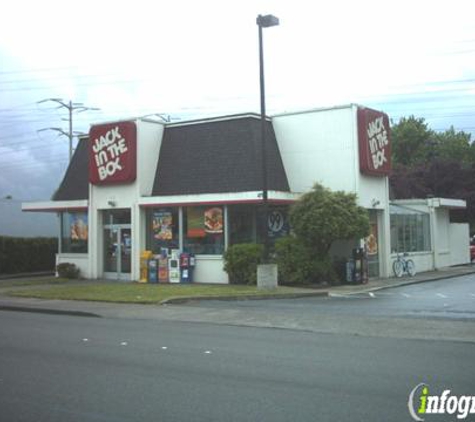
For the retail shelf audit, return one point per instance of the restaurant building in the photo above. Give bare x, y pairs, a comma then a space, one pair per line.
196, 186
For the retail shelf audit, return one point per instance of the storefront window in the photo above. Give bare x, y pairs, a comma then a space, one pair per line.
203, 230
74, 232
410, 230
242, 224
162, 229
277, 225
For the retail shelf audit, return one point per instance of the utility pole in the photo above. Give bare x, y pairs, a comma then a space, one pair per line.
71, 107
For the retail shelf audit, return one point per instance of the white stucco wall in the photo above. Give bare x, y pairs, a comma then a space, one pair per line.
81, 260
209, 269
318, 146
322, 146
101, 198
459, 240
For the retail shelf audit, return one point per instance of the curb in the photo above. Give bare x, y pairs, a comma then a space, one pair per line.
49, 311
185, 299
406, 282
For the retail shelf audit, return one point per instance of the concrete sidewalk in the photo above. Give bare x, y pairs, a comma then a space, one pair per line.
165, 311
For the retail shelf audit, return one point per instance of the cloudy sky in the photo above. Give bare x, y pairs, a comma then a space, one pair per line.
187, 58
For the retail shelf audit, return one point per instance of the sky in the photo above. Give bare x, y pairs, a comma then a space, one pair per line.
189, 59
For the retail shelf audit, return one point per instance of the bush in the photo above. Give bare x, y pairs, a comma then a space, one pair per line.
240, 262
298, 264
23, 255
67, 270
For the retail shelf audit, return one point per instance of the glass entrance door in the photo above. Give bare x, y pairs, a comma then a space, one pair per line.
117, 245
372, 245
117, 252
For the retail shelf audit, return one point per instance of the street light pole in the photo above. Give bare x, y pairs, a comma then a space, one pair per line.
264, 22
71, 107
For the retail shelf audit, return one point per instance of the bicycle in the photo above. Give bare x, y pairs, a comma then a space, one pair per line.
403, 266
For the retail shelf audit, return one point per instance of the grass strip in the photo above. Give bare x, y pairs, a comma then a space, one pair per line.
140, 293
32, 282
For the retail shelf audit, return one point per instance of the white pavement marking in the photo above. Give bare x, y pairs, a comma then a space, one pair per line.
405, 295
442, 296
124, 343
207, 352
371, 294
85, 340
164, 347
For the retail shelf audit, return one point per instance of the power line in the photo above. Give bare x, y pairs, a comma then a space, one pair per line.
71, 107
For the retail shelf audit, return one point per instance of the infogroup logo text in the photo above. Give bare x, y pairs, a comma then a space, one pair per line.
421, 403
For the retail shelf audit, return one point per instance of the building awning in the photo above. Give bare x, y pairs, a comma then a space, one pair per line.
448, 203
253, 197
55, 206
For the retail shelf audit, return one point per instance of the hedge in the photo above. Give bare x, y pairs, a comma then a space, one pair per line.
24, 255
241, 261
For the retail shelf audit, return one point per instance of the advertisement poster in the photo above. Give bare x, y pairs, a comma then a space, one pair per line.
196, 222
214, 220
203, 221
162, 223
372, 240
78, 224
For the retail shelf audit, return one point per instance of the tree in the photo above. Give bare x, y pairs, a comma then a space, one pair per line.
411, 141
455, 146
322, 216
426, 163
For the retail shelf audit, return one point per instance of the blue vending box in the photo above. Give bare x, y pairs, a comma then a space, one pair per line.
152, 271
187, 264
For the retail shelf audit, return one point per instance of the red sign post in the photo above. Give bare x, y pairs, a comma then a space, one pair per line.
113, 153
374, 142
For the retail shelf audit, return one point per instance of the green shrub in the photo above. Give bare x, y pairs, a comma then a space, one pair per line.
240, 262
23, 255
298, 264
67, 270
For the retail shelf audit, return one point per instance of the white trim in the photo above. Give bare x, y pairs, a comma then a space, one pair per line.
54, 206
433, 202
253, 196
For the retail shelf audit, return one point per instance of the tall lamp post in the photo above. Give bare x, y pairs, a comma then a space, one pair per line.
265, 21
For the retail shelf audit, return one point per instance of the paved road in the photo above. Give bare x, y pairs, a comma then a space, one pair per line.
439, 310
448, 299
64, 368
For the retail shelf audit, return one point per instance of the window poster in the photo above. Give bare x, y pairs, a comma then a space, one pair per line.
213, 218
372, 240
162, 223
195, 222
203, 221
78, 224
